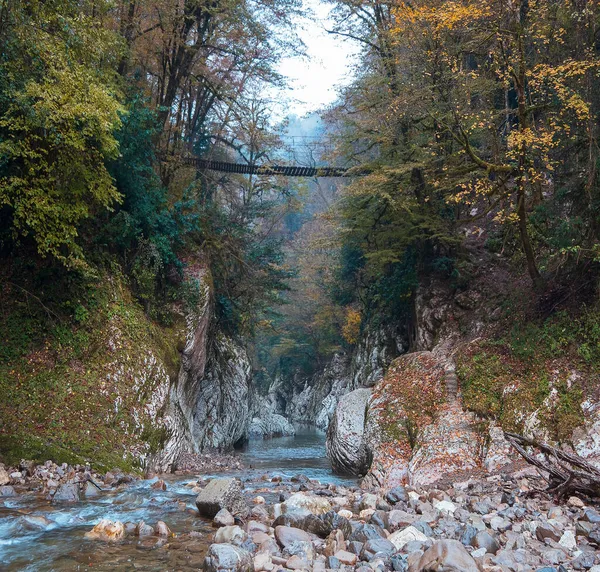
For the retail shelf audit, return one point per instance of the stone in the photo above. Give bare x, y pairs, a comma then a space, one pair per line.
567, 540
446, 556
4, 478
301, 503
396, 495
408, 534
368, 501
344, 444
67, 493
90, 490
161, 529
347, 514
576, 502
223, 518
546, 530
285, 535
7, 491
302, 548
324, 524
297, 563
270, 425
398, 519
159, 485
263, 562
485, 540
590, 515
345, 557
230, 535
377, 547
107, 530
228, 558
144, 529
446, 507
221, 493
364, 532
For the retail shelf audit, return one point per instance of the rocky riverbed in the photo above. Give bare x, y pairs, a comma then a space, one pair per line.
271, 522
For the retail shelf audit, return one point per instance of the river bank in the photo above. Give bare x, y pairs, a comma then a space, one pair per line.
277, 515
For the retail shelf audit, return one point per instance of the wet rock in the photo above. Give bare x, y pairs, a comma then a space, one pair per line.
159, 485
7, 491
33, 522
219, 494
161, 529
228, 558
446, 556
285, 535
143, 529
408, 534
90, 490
230, 535
223, 518
345, 434
66, 493
107, 530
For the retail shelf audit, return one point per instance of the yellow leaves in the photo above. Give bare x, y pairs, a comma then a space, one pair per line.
351, 329
439, 16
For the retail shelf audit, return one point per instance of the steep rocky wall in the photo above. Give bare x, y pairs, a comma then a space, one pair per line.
209, 404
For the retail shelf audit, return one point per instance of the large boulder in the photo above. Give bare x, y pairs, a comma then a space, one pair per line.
228, 558
344, 443
219, 494
68, 492
302, 504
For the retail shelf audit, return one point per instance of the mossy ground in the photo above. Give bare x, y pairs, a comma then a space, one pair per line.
550, 366
77, 371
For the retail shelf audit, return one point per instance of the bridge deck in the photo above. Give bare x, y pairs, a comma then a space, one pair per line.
285, 170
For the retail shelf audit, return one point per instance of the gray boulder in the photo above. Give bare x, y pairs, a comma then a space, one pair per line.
344, 443
68, 492
219, 494
228, 558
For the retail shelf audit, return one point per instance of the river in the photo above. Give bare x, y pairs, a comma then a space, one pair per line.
38, 536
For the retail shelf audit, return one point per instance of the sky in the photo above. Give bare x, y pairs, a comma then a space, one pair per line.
330, 58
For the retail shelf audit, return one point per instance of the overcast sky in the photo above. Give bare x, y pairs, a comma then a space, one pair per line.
313, 81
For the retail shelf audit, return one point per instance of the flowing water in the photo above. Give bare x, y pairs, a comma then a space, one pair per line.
38, 536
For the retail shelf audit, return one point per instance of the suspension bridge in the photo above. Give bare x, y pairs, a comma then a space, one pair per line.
295, 151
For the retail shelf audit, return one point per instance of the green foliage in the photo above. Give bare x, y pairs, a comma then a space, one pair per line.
58, 111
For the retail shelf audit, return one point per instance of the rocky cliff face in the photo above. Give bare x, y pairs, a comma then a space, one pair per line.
209, 402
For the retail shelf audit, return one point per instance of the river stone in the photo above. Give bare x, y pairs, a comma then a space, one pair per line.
345, 434
324, 524
221, 493
485, 540
68, 492
304, 504
398, 519
7, 491
364, 532
446, 556
107, 530
408, 534
4, 478
223, 518
228, 558
285, 535
396, 495
377, 547
161, 529
230, 535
